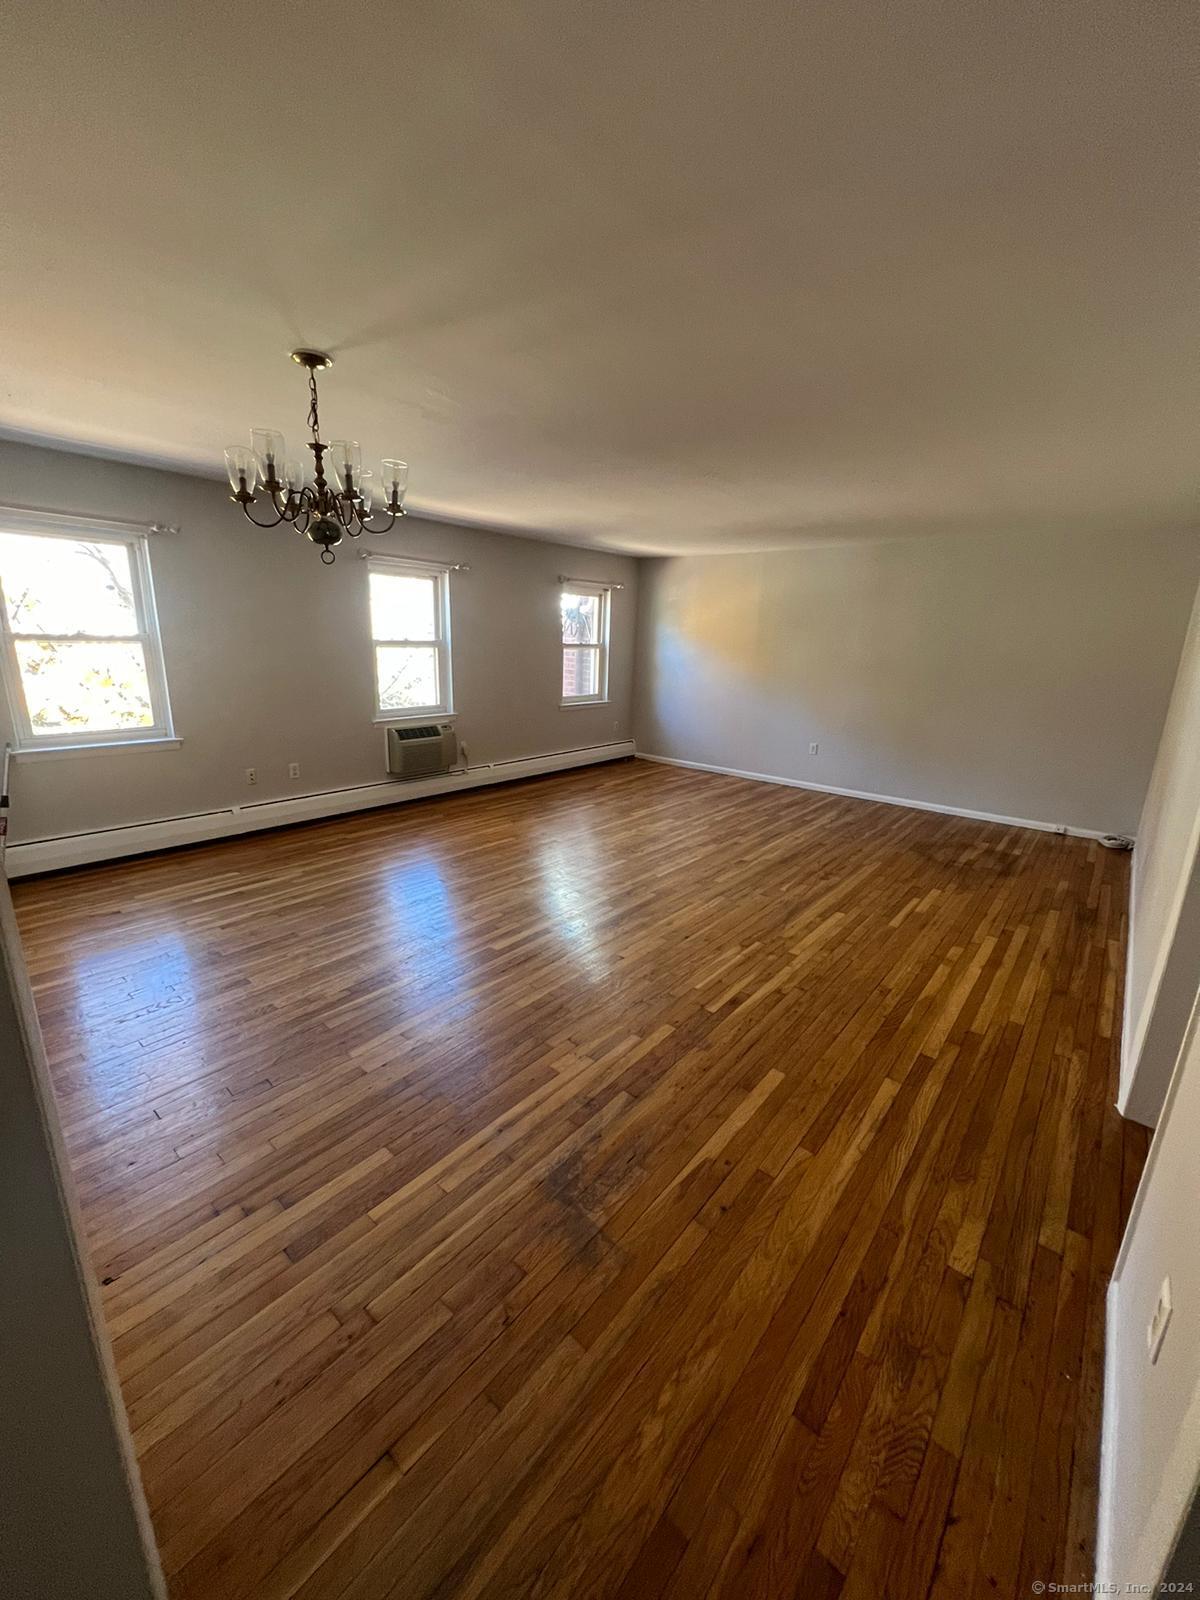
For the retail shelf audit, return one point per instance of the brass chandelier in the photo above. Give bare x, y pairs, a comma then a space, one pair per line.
322, 512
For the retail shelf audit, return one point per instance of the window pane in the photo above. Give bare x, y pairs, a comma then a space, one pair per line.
580, 618
84, 687
581, 673
408, 677
402, 607
66, 585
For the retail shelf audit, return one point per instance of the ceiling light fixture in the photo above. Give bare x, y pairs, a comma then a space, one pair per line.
316, 509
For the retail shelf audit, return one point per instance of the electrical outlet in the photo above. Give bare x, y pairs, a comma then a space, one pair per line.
813, 748
293, 769
1157, 1331
251, 774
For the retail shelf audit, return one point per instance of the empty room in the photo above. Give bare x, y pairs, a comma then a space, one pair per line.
601, 801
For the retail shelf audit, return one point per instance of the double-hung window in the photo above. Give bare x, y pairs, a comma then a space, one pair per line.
81, 652
584, 609
410, 632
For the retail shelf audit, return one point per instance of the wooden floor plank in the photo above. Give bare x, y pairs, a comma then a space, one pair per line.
633, 1184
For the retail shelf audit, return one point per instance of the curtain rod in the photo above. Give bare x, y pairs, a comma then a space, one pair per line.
592, 583
414, 561
36, 519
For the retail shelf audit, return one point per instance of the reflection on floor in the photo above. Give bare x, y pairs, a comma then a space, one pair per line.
629, 1183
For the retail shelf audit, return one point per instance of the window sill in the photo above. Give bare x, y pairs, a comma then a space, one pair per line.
414, 716
54, 752
581, 705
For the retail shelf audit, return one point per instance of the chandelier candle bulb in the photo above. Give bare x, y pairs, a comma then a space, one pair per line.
395, 480
269, 451
344, 459
323, 513
242, 469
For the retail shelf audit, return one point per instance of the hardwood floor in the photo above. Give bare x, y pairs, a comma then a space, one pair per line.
634, 1183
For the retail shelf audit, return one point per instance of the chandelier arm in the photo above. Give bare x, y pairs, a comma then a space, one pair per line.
365, 524
272, 524
309, 508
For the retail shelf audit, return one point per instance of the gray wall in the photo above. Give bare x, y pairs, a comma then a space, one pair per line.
268, 652
71, 1513
1026, 677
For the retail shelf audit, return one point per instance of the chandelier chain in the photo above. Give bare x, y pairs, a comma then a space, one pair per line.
313, 421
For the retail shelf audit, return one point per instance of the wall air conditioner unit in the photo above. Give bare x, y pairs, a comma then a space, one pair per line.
421, 752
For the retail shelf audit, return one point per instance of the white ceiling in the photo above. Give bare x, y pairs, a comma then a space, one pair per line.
651, 276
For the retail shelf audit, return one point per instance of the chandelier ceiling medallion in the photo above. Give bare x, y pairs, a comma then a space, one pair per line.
322, 512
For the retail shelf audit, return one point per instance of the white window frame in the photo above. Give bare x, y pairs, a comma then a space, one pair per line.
399, 567
604, 610
88, 530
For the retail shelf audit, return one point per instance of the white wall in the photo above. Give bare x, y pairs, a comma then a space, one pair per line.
1164, 943
268, 655
1152, 1412
74, 1520
1025, 677
1151, 1453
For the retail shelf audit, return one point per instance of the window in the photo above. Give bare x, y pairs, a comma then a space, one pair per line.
584, 643
410, 629
82, 657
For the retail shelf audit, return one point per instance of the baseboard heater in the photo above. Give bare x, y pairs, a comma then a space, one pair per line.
140, 838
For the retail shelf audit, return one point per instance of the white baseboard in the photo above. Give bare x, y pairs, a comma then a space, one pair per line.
883, 799
107, 844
